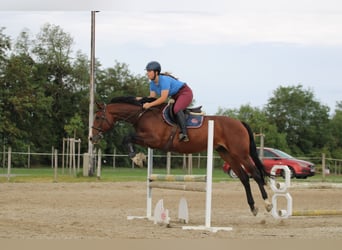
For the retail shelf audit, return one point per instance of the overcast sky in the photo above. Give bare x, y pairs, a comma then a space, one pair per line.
230, 52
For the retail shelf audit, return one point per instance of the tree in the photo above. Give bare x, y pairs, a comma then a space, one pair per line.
119, 81
52, 50
75, 126
297, 114
23, 44
79, 86
24, 98
5, 46
336, 132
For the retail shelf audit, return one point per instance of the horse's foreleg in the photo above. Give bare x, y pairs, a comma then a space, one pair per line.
138, 159
127, 142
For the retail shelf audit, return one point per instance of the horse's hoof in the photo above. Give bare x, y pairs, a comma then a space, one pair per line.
268, 206
255, 211
139, 159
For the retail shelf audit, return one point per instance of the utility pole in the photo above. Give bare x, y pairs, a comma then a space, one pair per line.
91, 92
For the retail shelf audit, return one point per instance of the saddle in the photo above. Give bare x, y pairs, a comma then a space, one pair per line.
193, 115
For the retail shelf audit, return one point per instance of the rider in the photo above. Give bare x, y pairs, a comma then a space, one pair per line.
166, 85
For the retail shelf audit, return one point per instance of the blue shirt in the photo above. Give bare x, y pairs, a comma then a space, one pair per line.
166, 83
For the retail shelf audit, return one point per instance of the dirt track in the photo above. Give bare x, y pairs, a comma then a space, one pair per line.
100, 210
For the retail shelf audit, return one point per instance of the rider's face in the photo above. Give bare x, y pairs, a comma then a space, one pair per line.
150, 74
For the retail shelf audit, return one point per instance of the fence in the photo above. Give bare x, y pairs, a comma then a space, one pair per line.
29, 159
72, 158
333, 166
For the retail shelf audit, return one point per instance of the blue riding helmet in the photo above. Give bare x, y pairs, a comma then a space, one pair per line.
155, 66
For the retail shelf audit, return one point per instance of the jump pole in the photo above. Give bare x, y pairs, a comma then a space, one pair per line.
208, 198
148, 189
183, 178
317, 213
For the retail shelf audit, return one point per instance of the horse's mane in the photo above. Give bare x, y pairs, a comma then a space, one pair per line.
132, 100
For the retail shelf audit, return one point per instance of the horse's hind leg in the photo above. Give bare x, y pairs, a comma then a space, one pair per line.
244, 178
258, 180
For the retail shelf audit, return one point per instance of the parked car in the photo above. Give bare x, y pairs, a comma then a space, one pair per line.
299, 169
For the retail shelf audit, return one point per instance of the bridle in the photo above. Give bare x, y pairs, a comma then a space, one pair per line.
99, 128
133, 118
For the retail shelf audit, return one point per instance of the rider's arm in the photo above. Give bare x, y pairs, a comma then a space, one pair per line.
163, 97
153, 94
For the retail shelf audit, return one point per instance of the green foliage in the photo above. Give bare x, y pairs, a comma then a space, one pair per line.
5, 45
119, 81
336, 127
303, 120
75, 126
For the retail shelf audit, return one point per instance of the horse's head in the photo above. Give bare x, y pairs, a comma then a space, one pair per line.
102, 123
122, 108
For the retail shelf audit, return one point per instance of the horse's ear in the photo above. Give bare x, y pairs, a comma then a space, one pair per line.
99, 105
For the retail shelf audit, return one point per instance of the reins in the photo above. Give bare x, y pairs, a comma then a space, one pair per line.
133, 118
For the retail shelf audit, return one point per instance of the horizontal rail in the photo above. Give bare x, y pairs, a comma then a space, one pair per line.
316, 212
184, 178
174, 186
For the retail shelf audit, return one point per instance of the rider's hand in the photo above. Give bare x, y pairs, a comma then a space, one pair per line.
147, 105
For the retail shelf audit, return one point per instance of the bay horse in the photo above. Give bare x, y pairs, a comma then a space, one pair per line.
233, 139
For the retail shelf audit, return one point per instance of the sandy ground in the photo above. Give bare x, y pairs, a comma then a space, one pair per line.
99, 211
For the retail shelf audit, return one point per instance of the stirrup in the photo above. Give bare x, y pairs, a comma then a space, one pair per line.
183, 137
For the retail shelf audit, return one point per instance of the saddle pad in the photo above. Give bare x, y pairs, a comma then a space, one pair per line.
191, 120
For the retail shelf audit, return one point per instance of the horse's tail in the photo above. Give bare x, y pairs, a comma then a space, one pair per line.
254, 154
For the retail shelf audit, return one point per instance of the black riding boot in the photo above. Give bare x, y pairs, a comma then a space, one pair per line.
183, 136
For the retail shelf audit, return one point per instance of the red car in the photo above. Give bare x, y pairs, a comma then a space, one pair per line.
299, 169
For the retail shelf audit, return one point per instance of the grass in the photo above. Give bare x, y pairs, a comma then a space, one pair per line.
20, 175
107, 175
